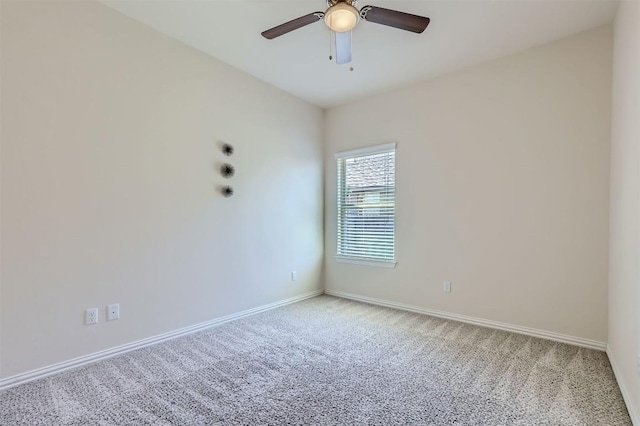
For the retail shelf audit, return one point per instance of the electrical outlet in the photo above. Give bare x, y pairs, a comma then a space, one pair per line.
446, 286
91, 316
113, 312
294, 275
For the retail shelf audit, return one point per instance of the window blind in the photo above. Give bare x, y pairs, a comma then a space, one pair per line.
366, 204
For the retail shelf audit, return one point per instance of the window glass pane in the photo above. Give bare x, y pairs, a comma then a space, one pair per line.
366, 206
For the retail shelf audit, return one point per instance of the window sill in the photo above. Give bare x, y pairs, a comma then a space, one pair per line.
366, 262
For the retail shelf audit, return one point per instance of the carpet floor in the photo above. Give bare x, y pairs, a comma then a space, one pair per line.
331, 361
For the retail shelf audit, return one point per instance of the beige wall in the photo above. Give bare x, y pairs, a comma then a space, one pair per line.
624, 260
502, 188
110, 136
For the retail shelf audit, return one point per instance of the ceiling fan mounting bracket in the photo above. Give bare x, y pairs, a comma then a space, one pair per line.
363, 12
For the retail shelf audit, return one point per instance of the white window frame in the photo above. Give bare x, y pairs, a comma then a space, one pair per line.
378, 149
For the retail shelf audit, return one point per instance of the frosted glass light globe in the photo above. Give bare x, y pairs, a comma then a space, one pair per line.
341, 17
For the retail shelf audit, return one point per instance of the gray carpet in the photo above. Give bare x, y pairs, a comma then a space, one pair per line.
330, 361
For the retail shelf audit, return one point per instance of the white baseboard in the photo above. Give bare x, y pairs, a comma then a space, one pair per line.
632, 406
108, 353
549, 335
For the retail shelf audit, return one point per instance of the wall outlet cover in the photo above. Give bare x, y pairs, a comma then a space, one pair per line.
91, 316
113, 312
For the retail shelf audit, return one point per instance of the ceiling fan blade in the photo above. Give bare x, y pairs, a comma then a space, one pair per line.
292, 25
395, 19
343, 47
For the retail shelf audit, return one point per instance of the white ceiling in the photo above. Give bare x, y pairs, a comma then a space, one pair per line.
461, 33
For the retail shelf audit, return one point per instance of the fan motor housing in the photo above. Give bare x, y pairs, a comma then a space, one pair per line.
353, 3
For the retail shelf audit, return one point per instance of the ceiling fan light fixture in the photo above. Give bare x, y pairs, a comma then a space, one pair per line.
341, 17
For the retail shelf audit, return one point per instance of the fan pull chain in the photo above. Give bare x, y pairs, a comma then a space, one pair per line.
330, 46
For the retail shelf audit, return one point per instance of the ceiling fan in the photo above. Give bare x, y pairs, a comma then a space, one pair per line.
342, 16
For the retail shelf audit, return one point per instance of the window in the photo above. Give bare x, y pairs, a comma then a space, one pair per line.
366, 206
